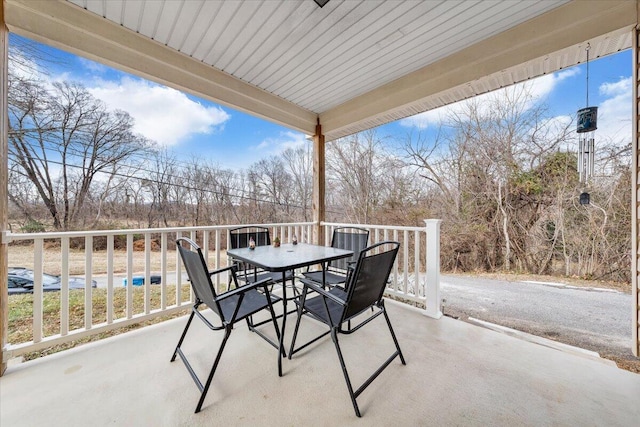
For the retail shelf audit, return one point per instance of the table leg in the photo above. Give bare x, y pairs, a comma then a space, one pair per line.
324, 274
284, 321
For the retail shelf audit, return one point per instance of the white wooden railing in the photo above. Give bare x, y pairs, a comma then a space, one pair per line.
415, 276
416, 273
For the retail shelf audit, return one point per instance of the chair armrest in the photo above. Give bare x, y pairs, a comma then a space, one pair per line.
314, 286
243, 289
221, 270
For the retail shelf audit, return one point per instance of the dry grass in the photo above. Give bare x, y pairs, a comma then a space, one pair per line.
572, 281
22, 256
21, 314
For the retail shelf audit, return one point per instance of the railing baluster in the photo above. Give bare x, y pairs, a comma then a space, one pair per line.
217, 265
228, 247
37, 290
147, 273
194, 237
129, 275
405, 259
64, 289
395, 264
88, 275
217, 244
110, 246
178, 274
416, 266
163, 271
205, 246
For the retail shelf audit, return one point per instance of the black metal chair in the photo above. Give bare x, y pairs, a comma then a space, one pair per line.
351, 238
231, 307
239, 238
335, 307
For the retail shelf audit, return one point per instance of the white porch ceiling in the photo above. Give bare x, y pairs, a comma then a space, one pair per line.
351, 64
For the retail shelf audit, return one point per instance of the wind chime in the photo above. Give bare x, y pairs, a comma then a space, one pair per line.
587, 124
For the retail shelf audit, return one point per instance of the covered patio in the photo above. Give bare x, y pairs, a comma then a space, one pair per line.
327, 72
456, 374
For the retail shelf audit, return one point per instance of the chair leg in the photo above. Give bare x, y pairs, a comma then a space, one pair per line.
334, 338
393, 335
275, 325
205, 389
184, 333
295, 330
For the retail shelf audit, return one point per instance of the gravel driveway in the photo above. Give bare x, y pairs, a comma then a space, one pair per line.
592, 318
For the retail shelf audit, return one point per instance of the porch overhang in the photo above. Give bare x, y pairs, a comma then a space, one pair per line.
314, 74
552, 39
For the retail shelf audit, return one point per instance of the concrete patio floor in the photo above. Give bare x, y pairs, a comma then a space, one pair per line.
457, 374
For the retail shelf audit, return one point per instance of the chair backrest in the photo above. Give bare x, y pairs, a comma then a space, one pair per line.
198, 273
351, 238
239, 237
369, 280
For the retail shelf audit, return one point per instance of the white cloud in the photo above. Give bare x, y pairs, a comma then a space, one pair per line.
539, 89
622, 86
614, 113
162, 114
288, 139
92, 66
544, 85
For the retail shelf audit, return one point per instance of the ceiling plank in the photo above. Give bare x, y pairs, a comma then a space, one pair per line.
560, 28
67, 26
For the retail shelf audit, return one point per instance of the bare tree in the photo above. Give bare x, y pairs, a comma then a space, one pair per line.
61, 138
299, 165
355, 169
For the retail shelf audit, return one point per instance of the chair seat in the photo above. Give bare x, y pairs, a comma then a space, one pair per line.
253, 302
316, 307
272, 275
330, 278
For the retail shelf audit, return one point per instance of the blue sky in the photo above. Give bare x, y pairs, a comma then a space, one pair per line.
189, 126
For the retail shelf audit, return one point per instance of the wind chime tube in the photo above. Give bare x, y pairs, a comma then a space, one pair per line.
591, 157
581, 158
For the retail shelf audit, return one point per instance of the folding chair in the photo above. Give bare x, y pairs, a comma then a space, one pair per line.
337, 306
351, 238
239, 238
230, 307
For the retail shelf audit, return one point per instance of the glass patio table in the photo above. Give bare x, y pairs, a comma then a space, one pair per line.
285, 258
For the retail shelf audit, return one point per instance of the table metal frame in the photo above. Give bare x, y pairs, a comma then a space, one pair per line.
285, 258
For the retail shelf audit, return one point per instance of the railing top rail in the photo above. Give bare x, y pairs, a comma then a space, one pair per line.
372, 226
53, 235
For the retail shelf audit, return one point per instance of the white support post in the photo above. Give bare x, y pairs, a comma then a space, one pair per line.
432, 286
